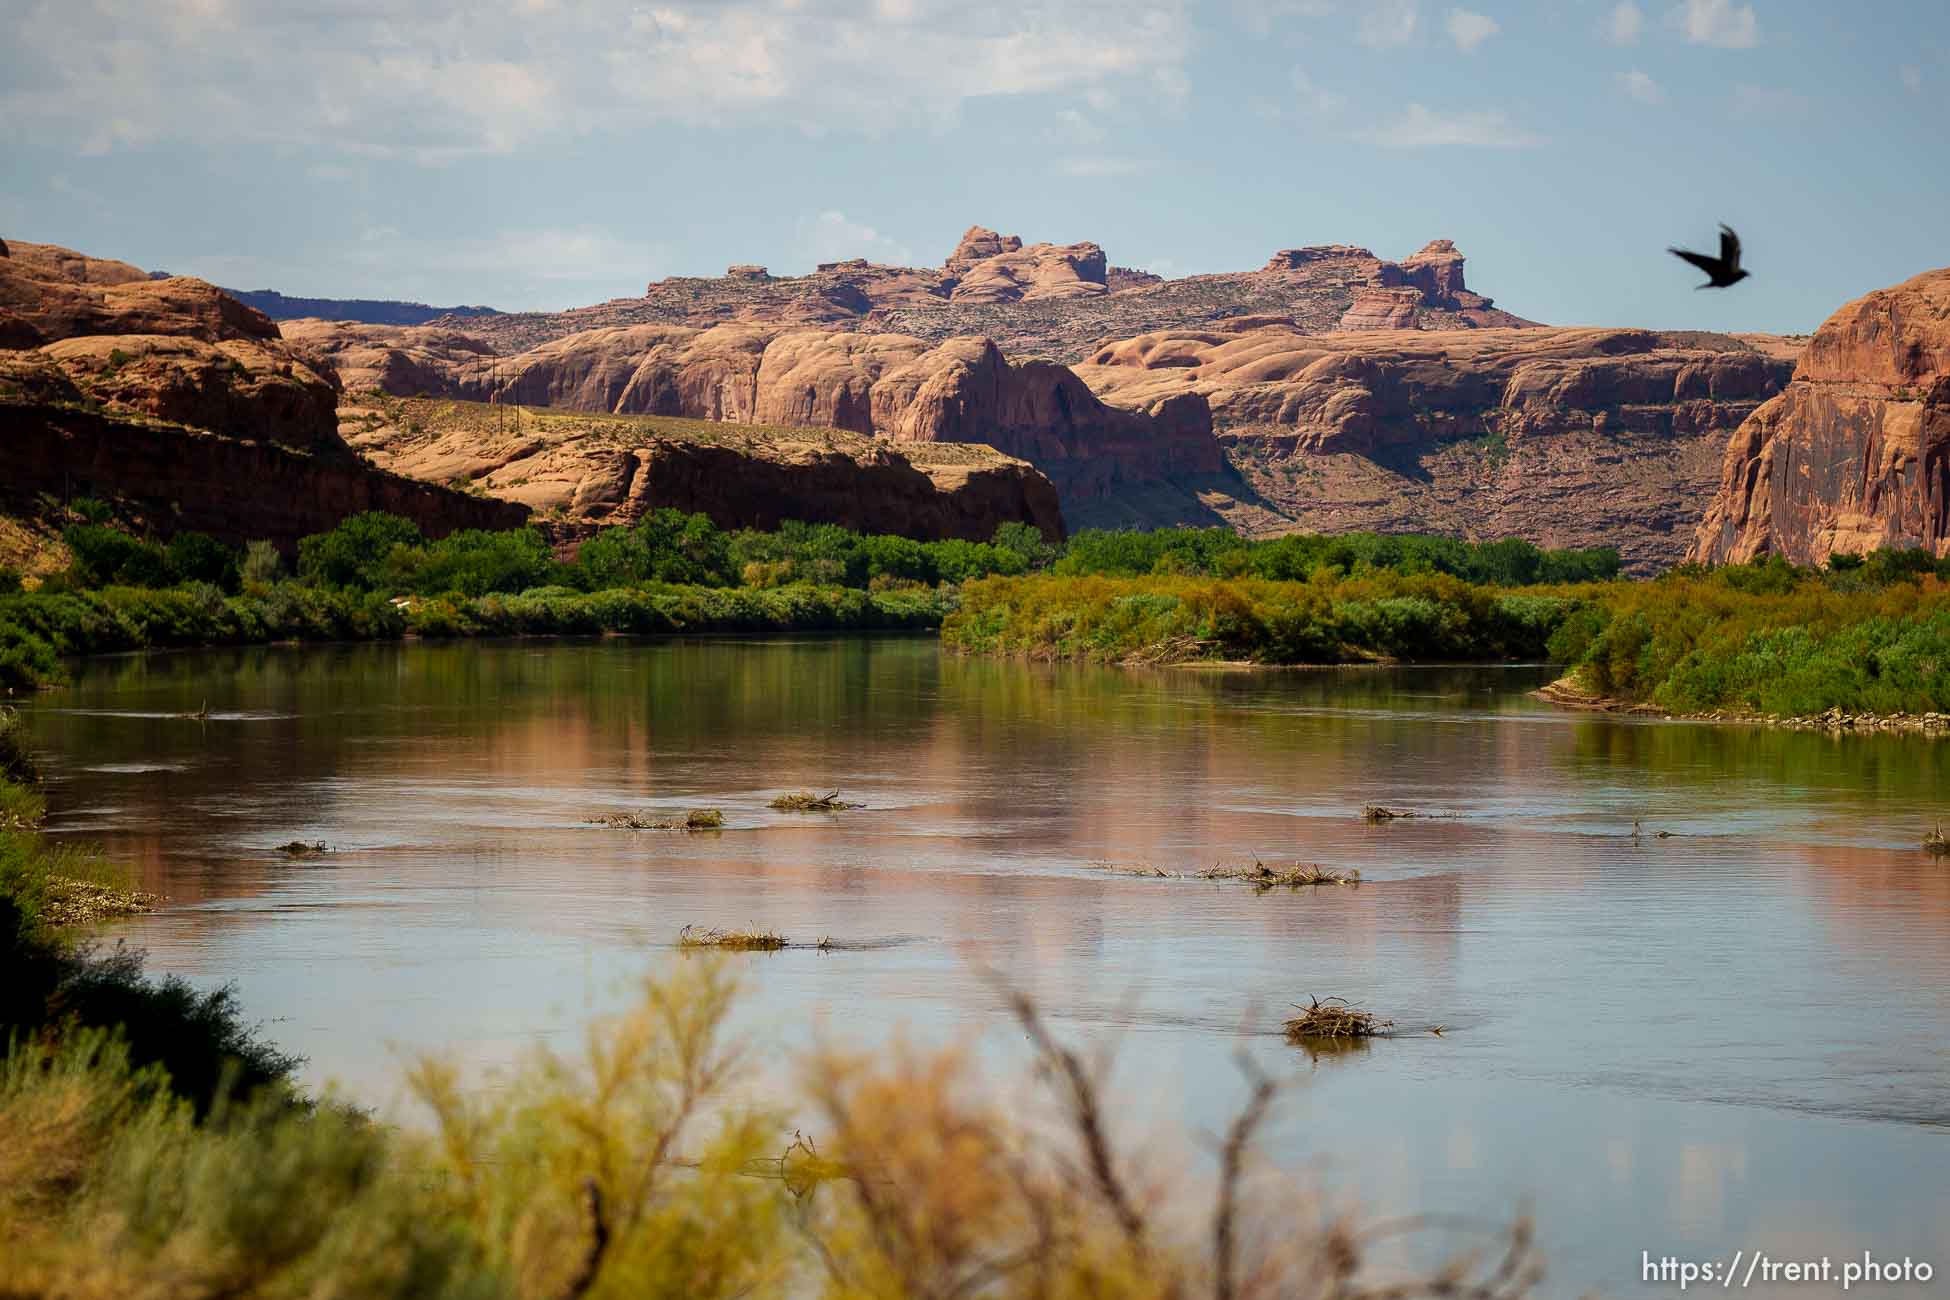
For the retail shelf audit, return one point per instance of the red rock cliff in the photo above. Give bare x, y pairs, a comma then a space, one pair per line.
1855, 454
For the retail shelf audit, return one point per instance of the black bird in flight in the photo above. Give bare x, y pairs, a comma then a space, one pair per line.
1720, 271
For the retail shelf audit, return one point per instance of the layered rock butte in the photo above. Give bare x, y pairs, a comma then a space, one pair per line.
1855, 454
1329, 390
194, 411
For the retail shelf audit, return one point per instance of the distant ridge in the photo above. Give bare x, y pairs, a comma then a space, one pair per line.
367, 311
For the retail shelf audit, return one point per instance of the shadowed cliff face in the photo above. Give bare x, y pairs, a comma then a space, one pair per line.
1855, 454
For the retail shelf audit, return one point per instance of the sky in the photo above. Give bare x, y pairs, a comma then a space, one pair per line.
550, 153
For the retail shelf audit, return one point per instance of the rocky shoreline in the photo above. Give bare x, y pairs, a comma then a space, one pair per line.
1569, 694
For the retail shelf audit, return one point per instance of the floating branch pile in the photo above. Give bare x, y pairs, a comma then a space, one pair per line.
695, 936
1374, 812
1291, 876
1936, 842
1261, 875
697, 819
807, 801
1333, 1018
303, 848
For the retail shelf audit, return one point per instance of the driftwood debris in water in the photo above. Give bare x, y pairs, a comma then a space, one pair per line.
807, 801
1333, 1018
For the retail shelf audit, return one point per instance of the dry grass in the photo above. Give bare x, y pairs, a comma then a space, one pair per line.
697, 819
696, 936
1333, 1018
807, 801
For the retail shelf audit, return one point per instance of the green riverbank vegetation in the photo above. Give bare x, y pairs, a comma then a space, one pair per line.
376, 577
1862, 635
1866, 635
153, 1145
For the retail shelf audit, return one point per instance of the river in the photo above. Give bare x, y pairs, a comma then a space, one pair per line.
1732, 1036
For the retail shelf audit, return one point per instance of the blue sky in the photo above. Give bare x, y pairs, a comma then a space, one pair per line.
544, 153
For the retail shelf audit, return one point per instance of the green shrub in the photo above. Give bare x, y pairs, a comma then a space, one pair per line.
356, 553
198, 557
262, 563
105, 556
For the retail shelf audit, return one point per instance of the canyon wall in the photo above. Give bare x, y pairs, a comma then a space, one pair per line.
1855, 454
892, 386
1568, 437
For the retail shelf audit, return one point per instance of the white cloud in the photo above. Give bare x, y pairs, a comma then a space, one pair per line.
835, 237
1385, 23
1719, 22
1261, 17
440, 79
1469, 30
1767, 102
1420, 127
1912, 79
1623, 25
1317, 98
1640, 86
1094, 167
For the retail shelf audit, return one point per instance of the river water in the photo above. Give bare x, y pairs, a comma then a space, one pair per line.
1732, 1037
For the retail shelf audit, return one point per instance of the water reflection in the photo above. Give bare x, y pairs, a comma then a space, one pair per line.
1667, 1042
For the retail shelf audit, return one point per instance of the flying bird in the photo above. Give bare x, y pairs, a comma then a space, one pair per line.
1720, 271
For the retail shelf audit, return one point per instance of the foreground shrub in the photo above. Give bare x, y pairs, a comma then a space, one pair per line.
635, 1169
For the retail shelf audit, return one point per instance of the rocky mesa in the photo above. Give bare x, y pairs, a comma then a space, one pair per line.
1854, 455
1054, 301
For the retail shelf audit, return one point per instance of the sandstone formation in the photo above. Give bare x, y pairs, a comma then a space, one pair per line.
585, 469
404, 360
1855, 454
176, 348
1571, 437
989, 268
186, 405
184, 479
887, 385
